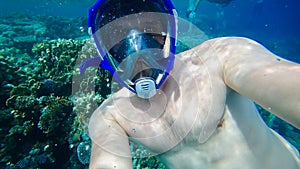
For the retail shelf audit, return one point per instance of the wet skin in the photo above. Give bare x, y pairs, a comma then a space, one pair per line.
203, 117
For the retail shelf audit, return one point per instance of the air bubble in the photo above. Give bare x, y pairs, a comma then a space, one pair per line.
84, 152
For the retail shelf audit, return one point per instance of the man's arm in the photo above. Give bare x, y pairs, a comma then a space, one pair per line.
253, 71
110, 144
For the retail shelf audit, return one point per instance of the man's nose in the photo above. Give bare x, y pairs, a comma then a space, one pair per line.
141, 64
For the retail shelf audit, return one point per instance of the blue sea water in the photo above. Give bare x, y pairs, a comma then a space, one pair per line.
273, 23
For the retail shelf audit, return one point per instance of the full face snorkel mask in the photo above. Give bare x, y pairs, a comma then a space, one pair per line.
136, 42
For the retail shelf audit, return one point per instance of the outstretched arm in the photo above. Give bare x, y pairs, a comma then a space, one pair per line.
110, 144
253, 71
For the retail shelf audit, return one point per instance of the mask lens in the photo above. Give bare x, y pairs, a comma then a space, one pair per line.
137, 43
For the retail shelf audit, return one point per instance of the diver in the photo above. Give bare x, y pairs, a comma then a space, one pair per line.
194, 109
193, 5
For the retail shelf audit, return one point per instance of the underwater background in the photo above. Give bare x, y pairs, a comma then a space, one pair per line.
42, 121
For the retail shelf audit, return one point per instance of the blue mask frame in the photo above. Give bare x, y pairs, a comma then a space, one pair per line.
103, 60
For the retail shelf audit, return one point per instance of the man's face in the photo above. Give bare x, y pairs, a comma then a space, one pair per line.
117, 30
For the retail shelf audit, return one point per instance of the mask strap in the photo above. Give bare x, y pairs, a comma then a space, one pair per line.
104, 64
91, 62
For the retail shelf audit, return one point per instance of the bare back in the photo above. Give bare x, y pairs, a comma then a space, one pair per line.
195, 121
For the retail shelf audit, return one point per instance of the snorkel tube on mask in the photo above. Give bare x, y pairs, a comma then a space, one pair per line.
133, 34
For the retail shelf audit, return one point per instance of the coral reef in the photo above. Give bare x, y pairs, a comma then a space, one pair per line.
37, 110
22, 31
143, 158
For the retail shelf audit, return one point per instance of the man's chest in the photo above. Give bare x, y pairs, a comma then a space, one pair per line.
189, 105
164, 121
